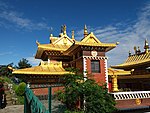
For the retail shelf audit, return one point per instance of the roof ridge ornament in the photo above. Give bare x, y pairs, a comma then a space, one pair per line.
37, 43
129, 53
64, 30
85, 31
135, 49
146, 46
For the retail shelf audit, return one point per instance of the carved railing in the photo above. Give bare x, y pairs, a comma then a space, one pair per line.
33, 105
131, 95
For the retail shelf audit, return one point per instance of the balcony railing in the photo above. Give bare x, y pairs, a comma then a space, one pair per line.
131, 95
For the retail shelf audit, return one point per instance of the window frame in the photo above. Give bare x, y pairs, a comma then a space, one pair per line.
94, 68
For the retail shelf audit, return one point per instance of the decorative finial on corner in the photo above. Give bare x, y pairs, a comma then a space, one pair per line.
129, 53
146, 46
138, 50
85, 31
51, 35
117, 43
37, 43
135, 49
65, 30
73, 35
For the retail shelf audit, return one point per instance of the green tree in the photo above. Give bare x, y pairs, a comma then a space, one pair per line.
5, 71
92, 97
23, 63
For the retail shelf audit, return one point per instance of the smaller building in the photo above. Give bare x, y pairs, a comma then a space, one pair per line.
130, 81
139, 66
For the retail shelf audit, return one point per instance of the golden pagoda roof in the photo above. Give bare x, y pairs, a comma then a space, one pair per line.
54, 68
57, 44
65, 44
135, 60
112, 72
90, 40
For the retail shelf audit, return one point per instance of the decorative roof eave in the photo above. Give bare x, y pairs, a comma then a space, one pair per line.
43, 47
88, 36
112, 72
53, 68
131, 64
108, 46
39, 73
145, 76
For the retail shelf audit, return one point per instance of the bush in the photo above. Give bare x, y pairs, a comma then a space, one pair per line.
92, 97
20, 90
1, 80
67, 111
20, 99
6, 79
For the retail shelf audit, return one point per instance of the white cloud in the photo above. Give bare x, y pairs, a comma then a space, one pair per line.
11, 18
33, 61
5, 53
129, 34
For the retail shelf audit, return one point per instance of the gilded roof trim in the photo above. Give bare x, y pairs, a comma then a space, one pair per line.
54, 68
84, 40
76, 44
118, 72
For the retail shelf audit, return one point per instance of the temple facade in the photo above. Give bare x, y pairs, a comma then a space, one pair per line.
127, 82
88, 55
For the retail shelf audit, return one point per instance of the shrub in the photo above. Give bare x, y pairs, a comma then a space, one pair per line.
1, 80
20, 90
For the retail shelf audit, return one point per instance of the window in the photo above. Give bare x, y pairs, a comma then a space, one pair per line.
95, 66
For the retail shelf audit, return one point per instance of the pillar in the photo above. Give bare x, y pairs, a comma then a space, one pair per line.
114, 83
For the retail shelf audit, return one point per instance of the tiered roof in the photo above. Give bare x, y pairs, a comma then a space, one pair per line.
62, 46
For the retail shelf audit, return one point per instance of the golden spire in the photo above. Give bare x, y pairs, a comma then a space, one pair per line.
146, 47
85, 31
72, 34
65, 30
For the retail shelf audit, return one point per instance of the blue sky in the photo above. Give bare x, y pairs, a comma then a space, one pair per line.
22, 22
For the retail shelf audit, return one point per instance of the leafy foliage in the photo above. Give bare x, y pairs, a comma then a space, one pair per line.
23, 63
1, 80
92, 97
20, 90
4, 70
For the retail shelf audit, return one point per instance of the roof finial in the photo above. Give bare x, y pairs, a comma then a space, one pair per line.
135, 49
146, 47
85, 31
72, 34
138, 50
65, 30
129, 53
37, 43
